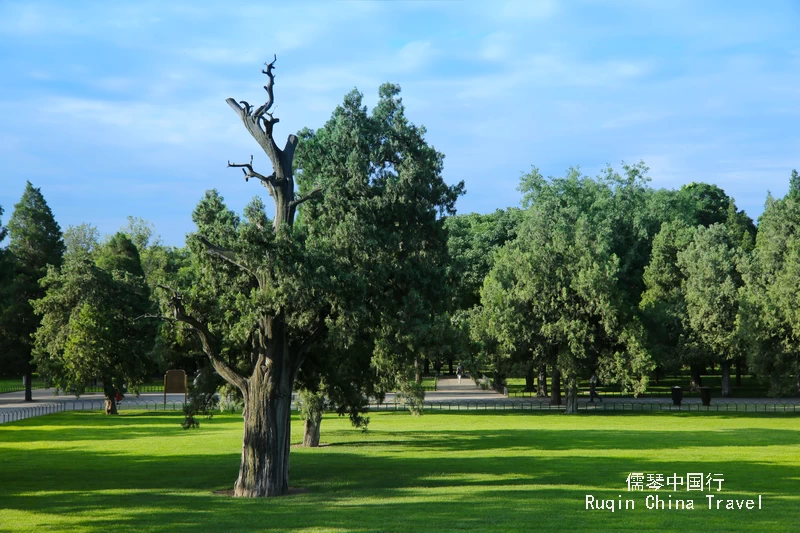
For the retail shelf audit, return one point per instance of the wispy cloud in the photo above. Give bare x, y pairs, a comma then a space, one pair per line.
700, 91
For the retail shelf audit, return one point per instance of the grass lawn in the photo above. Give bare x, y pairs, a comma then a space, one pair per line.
15, 384
82, 471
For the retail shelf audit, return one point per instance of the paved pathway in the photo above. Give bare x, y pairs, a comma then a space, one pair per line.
468, 395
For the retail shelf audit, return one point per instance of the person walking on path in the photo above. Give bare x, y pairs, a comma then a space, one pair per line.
460, 372
593, 389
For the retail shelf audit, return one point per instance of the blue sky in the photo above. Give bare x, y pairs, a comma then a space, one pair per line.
118, 109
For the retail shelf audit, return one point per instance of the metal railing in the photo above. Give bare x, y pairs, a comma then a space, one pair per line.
460, 405
40, 385
545, 405
35, 385
85, 405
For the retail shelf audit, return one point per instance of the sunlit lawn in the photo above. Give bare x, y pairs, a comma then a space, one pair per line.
514, 471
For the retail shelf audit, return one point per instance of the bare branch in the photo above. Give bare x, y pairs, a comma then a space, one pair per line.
159, 317
268, 87
310, 196
294, 203
268, 123
206, 338
247, 169
236, 107
227, 255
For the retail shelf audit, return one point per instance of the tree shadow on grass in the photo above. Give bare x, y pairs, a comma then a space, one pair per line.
353, 492
479, 480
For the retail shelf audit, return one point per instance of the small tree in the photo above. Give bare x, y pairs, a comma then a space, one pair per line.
88, 331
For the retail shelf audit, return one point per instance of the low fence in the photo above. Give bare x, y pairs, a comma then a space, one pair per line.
545, 405
742, 407
40, 385
85, 405
19, 387
460, 405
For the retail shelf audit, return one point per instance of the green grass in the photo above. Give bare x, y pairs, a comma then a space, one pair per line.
82, 471
429, 382
15, 384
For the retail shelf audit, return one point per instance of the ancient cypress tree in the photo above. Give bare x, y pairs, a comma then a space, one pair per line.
268, 291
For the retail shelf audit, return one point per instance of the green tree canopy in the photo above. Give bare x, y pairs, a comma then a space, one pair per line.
561, 276
769, 314
711, 268
88, 327
368, 253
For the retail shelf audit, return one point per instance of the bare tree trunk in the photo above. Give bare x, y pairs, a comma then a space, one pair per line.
417, 373
725, 366
529, 385
542, 391
312, 406
311, 430
555, 399
572, 394
739, 372
427, 369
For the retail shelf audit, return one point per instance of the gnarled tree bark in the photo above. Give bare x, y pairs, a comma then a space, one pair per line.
267, 392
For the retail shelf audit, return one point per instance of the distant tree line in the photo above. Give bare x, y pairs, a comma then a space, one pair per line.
607, 275
602, 274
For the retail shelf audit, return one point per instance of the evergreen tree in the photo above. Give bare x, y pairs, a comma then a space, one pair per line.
769, 316
36, 242
88, 327
360, 247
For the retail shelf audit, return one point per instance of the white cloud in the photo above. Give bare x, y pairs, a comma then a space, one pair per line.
135, 123
412, 56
